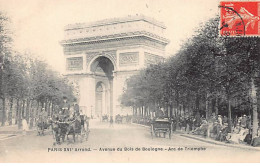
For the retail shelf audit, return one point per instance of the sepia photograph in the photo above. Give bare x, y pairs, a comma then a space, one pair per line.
129, 81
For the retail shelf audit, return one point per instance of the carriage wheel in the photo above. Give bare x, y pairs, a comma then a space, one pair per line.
82, 135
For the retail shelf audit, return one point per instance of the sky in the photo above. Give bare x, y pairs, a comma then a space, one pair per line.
38, 25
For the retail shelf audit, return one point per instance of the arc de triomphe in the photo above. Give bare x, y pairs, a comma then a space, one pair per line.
101, 55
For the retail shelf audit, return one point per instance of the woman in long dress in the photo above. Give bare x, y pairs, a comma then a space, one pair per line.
25, 126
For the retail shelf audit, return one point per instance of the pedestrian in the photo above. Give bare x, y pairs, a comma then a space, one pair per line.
248, 122
220, 120
197, 120
225, 119
235, 121
188, 123
74, 109
65, 107
243, 121
160, 113
111, 122
25, 126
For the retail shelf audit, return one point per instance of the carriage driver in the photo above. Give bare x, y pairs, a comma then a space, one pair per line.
43, 116
65, 107
75, 108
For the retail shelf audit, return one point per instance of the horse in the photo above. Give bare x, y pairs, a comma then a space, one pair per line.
74, 125
73, 128
41, 125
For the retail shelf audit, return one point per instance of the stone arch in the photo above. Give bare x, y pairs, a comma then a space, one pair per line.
102, 69
95, 58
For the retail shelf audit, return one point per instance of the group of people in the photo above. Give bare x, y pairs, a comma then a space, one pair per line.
65, 112
69, 111
217, 127
65, 120
192, 122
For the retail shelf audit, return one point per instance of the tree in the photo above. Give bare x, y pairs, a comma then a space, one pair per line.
209, 73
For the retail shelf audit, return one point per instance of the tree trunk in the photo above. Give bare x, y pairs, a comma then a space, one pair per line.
216, 107
51, 108
48, 107
229, 115
27, 115
254, 106
32, 114
37, 109
19, 120
142, 111
197, 102
11, 110
45, 105
17, 110
23, 108
3, 113
171, 111
184, 109
207, 107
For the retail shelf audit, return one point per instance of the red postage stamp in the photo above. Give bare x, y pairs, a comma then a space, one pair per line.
240, 18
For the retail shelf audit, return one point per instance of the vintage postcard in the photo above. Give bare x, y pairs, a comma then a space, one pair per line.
129, 81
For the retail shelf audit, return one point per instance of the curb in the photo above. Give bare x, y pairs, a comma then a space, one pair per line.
14, 136
17, 132
220, 143
140, 125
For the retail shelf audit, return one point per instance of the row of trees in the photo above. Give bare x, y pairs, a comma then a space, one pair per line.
27, 84
210, 74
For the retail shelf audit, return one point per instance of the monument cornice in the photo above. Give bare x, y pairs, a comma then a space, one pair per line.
110, 21
119, 36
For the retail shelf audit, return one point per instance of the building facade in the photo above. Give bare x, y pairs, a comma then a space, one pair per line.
100, 56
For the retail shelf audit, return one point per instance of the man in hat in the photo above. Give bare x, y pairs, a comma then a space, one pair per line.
225, 119
43, 114
65, 107
160, 113
75, 107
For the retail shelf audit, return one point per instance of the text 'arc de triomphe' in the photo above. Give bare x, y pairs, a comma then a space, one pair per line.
100, 56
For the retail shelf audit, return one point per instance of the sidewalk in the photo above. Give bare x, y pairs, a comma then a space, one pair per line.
212, 141
12, 129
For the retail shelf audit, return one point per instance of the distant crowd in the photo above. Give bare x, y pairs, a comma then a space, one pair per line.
217, 127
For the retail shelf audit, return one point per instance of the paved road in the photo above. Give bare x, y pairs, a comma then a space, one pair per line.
106, 142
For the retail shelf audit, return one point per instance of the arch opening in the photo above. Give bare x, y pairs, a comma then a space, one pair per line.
102, 66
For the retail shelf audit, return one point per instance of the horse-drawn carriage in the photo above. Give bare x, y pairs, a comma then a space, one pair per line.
119, 119
128, 118
76, 126
159, 126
